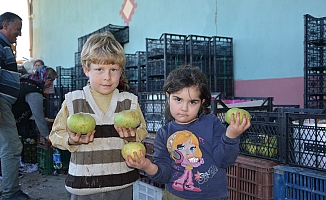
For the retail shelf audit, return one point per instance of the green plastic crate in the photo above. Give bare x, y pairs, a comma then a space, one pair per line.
45, 161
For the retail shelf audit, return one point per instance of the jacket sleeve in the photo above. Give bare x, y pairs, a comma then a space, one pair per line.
59, 135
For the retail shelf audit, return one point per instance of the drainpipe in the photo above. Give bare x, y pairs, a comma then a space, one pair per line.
30, 20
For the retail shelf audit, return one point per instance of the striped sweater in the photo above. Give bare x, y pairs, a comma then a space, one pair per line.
98, 166
9, 76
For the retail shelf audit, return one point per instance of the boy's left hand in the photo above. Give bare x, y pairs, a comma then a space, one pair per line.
125, 132
235, 128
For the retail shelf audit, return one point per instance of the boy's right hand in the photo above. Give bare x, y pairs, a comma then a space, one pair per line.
78, 138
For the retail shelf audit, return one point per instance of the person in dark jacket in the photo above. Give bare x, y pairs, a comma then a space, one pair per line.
30, 100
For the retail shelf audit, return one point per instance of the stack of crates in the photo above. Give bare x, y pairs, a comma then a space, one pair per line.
197, 52
220, 72
302, 175
28, 137
135, 70
121, 34
152, 105
315, 62
163, 55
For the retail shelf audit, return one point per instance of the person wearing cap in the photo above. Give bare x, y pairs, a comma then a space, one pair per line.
33, 89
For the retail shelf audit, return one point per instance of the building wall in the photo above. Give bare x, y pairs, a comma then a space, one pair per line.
267, 35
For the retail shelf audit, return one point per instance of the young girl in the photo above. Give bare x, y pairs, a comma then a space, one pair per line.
192, 151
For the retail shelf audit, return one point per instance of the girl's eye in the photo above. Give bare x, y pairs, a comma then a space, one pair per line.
193, 102
177, 99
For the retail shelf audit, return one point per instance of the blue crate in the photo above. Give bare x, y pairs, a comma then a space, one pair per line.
295, 183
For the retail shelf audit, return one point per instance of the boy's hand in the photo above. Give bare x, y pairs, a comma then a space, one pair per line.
78, 138
235, 128
125, 132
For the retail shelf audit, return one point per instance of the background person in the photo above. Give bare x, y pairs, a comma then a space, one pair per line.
11, 146
31, 98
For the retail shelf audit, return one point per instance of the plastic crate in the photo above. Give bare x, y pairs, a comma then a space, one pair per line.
45, 161
152, 105
29, 153
306, 136
149, 144
263, 137
250, 178
144, 191
220, 107
294, 183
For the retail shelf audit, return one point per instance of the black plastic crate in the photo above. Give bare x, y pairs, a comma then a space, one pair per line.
306, 139
263, 138
261, 104
315, 29
79, 72
121, 34
78, 58
155, 85
80, 83
152, 105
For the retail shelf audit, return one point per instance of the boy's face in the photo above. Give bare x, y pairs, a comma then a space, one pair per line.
103, 78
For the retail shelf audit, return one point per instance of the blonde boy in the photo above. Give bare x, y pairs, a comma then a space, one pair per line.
97, 169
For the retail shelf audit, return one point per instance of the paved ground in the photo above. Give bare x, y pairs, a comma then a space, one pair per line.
40, 186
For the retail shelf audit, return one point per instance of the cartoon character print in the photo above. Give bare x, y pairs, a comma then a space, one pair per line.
184, 149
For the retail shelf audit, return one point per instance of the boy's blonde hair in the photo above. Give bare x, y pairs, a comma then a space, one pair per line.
102, 49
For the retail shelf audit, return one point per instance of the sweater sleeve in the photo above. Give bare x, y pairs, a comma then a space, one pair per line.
226, 150
161, 158
59, 135
141, 131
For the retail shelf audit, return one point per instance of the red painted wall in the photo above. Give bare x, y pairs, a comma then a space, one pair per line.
284, 90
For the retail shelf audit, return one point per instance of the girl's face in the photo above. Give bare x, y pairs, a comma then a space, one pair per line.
103, 78
185, 104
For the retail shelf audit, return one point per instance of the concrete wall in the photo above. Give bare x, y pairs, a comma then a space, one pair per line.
268, 35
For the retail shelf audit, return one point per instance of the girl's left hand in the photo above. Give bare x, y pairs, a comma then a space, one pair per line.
140, 162
235, 128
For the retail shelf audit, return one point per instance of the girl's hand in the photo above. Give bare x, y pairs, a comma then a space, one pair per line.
141, 162
235, 128
78, 138
125, 132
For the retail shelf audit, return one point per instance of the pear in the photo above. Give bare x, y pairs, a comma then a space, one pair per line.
235, 111
130, 148
81, 123
127, 119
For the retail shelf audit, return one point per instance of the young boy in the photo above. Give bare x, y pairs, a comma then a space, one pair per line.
97, 169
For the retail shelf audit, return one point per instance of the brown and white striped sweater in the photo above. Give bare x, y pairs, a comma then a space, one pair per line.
98, 166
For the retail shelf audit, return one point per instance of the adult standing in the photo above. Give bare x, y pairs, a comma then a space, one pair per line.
11, 146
